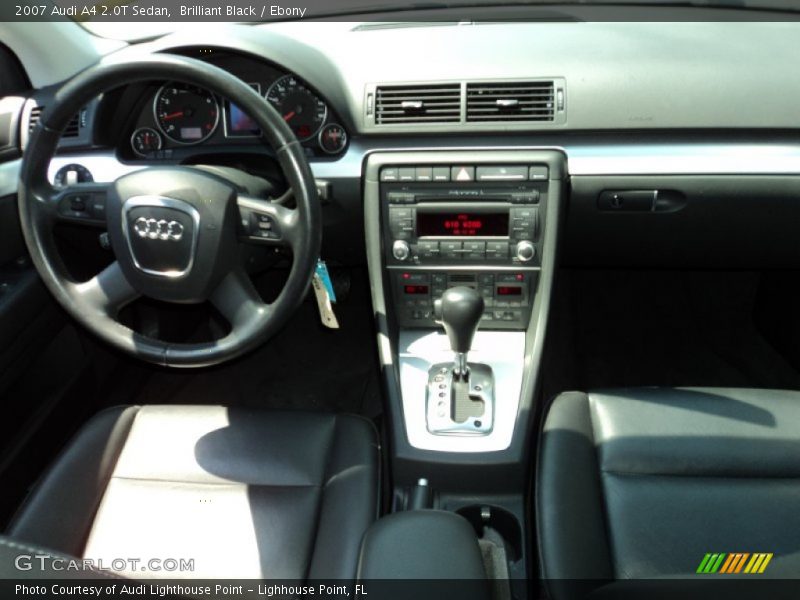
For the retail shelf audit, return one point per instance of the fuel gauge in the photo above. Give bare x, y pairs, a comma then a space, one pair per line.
145, 140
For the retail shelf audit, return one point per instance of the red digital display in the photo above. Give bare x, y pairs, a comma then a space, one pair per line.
509, 290
416, 289
462, 224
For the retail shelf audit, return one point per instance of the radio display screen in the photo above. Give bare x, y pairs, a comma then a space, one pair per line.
481, 224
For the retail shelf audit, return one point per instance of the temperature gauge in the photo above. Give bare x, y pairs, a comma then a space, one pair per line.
145, 140
332, 138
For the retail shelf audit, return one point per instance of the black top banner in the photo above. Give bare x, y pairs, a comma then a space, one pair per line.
257, 11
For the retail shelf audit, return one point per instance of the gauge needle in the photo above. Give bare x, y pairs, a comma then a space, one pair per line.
174, 115
289, 116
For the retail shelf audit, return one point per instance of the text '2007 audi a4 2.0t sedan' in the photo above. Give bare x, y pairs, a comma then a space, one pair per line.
488, 301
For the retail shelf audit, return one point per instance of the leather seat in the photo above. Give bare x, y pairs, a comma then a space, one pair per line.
244, 493
642, 483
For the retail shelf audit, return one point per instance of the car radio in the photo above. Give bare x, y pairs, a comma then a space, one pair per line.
470, 225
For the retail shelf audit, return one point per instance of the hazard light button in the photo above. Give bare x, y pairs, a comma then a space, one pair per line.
462, 173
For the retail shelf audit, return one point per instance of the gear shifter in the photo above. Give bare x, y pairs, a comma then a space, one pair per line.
460, 395
459, 310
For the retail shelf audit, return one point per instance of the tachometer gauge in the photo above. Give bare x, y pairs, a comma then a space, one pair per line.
145, 140
302, 110
185, 113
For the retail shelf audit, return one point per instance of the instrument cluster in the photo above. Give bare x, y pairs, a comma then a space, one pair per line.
180, 116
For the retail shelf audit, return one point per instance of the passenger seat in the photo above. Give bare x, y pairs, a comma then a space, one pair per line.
644, 483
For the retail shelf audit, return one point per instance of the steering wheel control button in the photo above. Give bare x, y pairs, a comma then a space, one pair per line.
260, 226
83, 206
161, 234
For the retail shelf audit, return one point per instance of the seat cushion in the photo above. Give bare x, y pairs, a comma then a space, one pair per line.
243, 493
642, 483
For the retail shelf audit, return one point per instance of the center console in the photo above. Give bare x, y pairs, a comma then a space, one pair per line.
461, 250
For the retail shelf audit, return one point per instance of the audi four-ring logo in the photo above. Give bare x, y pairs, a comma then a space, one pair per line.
158, 229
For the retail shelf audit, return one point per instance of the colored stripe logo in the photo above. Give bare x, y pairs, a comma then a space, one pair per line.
734, 562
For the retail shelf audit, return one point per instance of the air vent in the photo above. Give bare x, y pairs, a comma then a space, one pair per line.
72, 129
511, 101
418, 104
36, 114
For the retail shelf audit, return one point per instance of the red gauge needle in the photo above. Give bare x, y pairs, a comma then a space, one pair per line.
174, 115
289, 116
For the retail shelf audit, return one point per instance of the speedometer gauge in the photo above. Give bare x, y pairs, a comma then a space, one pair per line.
185, 113
302, 110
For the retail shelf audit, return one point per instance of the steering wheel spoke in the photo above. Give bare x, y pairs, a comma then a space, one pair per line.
108, 291
83, 203
238, 301
264, 222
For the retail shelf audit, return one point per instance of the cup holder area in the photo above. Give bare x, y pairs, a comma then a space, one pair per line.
501, 541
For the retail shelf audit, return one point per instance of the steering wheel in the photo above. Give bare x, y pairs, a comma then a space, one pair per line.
174, 230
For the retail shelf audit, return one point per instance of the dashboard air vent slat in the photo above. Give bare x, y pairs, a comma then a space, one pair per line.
525, 101
72, 129
418, 104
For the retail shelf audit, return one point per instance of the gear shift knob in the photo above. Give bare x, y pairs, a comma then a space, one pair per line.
459, 310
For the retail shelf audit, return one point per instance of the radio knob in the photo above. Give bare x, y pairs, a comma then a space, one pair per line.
525, 251
400, 250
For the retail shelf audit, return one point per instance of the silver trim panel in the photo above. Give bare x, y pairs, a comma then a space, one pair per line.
628, 159
503, 351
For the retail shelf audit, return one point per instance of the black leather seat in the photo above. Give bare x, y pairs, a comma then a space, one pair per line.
642, 483
244, 493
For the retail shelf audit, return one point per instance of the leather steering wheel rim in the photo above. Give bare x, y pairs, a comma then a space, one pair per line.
94, 304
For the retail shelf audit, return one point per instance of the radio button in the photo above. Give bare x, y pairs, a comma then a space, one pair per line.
400, 198
525, 251
399, 213
389, 174
424, 174
475, 250
531, 197
428, 249
522, 213
538, 174
407, 174
499, 173
451, 249
496, 249
486, 278
441, 173
400, 250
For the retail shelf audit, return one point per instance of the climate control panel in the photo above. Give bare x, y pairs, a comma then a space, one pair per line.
507, 295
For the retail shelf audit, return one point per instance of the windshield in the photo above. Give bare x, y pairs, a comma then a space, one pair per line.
184, 18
